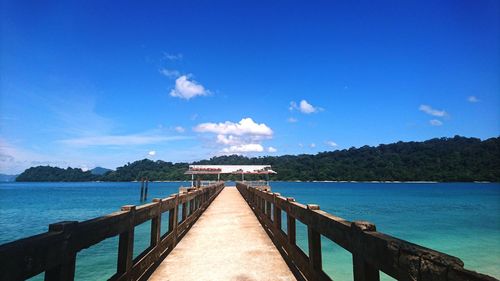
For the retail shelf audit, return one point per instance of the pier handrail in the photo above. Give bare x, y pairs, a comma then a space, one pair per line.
372, 251
54, 252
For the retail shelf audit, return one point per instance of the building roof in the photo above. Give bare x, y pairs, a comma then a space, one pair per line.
229, 169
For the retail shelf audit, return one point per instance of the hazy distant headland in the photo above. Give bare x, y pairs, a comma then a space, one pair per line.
457, 159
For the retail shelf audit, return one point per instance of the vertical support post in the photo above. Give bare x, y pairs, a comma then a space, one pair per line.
146, 190
173, 217
156, 225
192, 180
142, 190
362, 270
184, 211
314, 242
65, 270
126, 243
290, 224
268, 209
277, 213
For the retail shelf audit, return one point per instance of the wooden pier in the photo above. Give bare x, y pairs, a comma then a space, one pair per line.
217, 233
224, 244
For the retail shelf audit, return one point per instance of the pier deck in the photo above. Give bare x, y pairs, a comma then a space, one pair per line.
226, 243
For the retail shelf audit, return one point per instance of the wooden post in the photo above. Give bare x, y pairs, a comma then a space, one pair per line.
126, 243
268, 209
156, 225
192, 204
173, 218
65, 270
184, 211
361, 269
146, 190
276, 213
314, 242
142, 190
290, 224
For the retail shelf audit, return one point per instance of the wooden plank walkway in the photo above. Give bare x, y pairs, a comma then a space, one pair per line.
226, 243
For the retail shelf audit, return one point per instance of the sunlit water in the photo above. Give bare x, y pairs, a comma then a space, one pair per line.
460, 219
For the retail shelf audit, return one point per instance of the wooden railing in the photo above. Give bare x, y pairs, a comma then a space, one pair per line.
55, 251
371, 251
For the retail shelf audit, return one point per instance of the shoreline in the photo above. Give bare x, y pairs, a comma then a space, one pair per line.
290, 181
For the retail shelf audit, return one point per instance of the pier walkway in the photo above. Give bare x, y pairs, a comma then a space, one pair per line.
226, 243
213, 232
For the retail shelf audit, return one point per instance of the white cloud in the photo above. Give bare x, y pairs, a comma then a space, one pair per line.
304, 107
435, 122
119, 140
173, 57
431, 111
187, 89
473, 99
228, 140
244, 127
331, 143
292, 120
152, 153
271, 149
312, 145
180, 129
246, 136
244, 148
170, 73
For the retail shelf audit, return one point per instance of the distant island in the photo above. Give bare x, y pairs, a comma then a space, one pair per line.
457, 159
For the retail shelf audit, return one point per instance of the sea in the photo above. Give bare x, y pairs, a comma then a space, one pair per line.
460, 219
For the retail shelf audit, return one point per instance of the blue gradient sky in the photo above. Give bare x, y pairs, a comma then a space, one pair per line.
86, 83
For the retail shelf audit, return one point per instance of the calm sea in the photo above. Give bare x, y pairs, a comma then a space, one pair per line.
461, 219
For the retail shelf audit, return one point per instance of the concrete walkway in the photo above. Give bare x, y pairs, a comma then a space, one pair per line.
226, 243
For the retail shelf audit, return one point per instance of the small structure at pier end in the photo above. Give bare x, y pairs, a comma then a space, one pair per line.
242, 170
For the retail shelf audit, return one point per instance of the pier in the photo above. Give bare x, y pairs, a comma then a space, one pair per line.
224, 244
227, 233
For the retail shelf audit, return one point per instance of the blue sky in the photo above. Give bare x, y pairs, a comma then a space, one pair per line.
102, 83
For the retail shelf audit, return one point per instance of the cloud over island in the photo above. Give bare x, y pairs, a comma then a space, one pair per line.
245, 136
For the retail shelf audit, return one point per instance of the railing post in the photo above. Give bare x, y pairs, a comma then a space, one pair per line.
184, 211
156, 225
268, 209
66, 270
172, 219
361, 269
314, 242
192, 204
126, 243
277, 213
290, 224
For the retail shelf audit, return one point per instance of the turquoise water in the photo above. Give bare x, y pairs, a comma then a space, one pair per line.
460, 219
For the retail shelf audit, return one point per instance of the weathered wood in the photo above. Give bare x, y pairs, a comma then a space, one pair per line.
372, 251
184, 211
291, 229
156, 224
314, 243
25, 258
362, 270
66, 269
268, 209
55, 251
276, 213
126, 243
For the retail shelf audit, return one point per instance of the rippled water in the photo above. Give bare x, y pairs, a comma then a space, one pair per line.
460, 219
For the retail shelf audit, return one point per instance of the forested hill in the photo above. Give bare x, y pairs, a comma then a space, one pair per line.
442, 159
